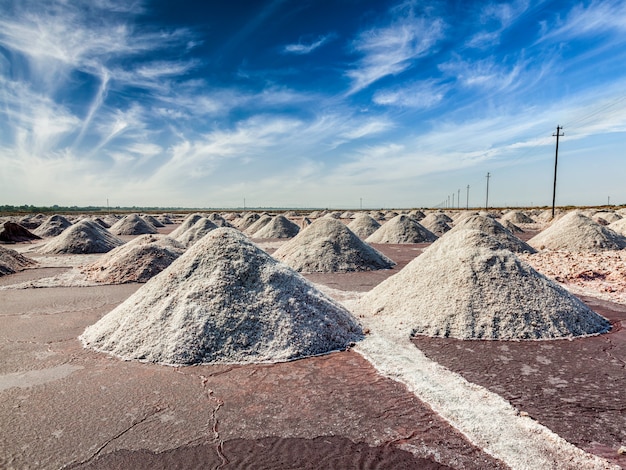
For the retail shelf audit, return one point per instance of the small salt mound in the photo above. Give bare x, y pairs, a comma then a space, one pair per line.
136, 261
15, 233
165, 219
83, 237
402, 229
333, 215
246, 220
196, 232
52, 226
436, 223
511, 227
440, 216
152, 221
224, 301
261, 222
100, 222
517, 217
618, 226
347, 215
495, 229
305, 222
576, 232
461, 288
186, 225
279, 227
390, 215
417, 215
327, 246
132, 224
218, 220
11, 261
30, 222
363, 225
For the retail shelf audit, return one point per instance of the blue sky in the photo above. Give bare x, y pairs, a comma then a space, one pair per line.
305, 103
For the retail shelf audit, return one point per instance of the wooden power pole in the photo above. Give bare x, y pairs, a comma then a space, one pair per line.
556, 160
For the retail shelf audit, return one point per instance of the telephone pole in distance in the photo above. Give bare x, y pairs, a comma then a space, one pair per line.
556, 160
487, 199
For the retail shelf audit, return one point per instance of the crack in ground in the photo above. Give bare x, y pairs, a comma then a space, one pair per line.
610, 347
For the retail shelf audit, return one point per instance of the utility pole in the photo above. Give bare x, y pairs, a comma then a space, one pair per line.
467, 200
487, 199
556, 160
448, 205
458, 198
452, 201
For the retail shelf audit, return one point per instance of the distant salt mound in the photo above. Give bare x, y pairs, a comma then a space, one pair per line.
577, 232
52, 226
511, 227
218, 220
436, 222
132, 224
101, 222
347, 215
224, 301
136, 261
618, 226
279, 227
305, 222
441, 216
328, 245
466, 286
189, 221
31, 222
81, 238
417, 215
363, 225
243, 222
517, 217
402, 229
261, 222
11, 261
196, 232
15, 233
495, 229
152, 221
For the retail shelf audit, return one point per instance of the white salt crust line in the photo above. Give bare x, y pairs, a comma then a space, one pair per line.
486, 419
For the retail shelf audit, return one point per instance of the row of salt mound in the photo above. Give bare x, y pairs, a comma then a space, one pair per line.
224, 301
363, 225
495, 229
402, 229
15, 233
132, 224
52, 226
11, 261
82, 237
279, 227
517, 217
189, 221
469, 286
577, 232
326, 246
136, 261
436, 222
196, 232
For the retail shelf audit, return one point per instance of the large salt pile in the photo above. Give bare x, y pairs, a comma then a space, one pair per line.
326, 246
279, 227
495, 229
189, 221
52, 226
136, 261
577, 232
11, 261
196, 232
261, 222
15, 233
82, 237
132, 224
402, 229
363, 225
224, 301
517, 217
467, 286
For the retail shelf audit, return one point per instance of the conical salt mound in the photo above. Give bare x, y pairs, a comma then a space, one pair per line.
189, 222
517, 217
496, 230
436, 223
402, 229
196, 232
577, 232
15, 233
261, 222
52, 226
11, 261
152, 221
136, 261
462, 288
618, 226
224, 301
82, 237
246, 220
327, 246
218, 220
132, 224
279, 227
363, 225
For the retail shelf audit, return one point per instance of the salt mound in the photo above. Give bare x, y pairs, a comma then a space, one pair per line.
218, 220
258, 225
363, 225
132, 224
246, 220
441, 216
511, 227
618, 226
100, 222
436, 223
576, 232
15, 233
461, 288
495, 229
152, 221
279, 227
402, 229
165, 219
136, 261
11, 261
52, 226
517, 217
196, 232
224, 301
82, 237
417, 214
305, 222
186, 225
326, 246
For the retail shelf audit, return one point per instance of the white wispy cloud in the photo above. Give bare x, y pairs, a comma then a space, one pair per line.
304, 48
496, 18
484, 73
421, 95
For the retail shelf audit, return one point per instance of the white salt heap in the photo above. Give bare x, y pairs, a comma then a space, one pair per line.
224, 301
495, 229
577, 232
132, 224
326, 246
196, 232
517, 217
11, 261
246, 220
436, 223
189, 221
257, 225
618, 226
52, 226
218, 220
152, 221
401, 229
462, 289
82, 237
136, 261
363, 225
279, 227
